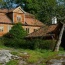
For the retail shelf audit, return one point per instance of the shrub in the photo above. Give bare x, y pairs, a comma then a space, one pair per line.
15, 37
61, 49
40, 44
45, 44
1, 41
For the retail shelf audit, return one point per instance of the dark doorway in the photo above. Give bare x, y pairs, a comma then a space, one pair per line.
63, 40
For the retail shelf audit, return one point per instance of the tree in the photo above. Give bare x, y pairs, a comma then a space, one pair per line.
6, 4
15, 37
42, 9
47, 11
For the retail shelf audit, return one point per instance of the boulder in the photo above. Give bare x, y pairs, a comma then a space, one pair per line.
5, 56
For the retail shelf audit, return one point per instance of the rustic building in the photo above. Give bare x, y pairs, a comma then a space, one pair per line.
34, 27
55, 31
47, 32
12, 16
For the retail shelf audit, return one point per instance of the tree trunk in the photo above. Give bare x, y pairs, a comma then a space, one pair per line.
59, 40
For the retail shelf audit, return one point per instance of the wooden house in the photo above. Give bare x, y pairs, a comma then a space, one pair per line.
12, 16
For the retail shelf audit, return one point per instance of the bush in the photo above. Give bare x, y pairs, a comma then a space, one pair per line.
45, 44
15, 37
1, 41
40, 44
61, 49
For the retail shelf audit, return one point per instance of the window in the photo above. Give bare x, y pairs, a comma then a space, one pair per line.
35, 30
9, 28
1, 29
27, 30
18, 18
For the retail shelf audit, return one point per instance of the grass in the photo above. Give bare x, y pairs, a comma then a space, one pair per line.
12, 62
34, 55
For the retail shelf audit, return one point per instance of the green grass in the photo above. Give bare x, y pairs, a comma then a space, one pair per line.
12, 62
0, 64
34, 55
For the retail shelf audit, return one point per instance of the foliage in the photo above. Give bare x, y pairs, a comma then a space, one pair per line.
45, 44
6, 4
15, 37
61, 49
1, 41
44, 10
39, 44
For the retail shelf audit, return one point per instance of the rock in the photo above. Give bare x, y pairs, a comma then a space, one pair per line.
5, 56
21, 62
24, 56
25, 53
63, 54
16, 57
57, 64
56, 61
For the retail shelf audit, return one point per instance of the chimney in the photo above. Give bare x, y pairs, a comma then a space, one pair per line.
54, 20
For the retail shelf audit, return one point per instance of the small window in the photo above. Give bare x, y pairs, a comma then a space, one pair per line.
27, 30
9, 28
35, 30
1, 29
18, 18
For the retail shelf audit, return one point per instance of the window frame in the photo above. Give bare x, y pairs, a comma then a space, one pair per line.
27, 30
19, 17
9, 28
35, 30
1, 28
